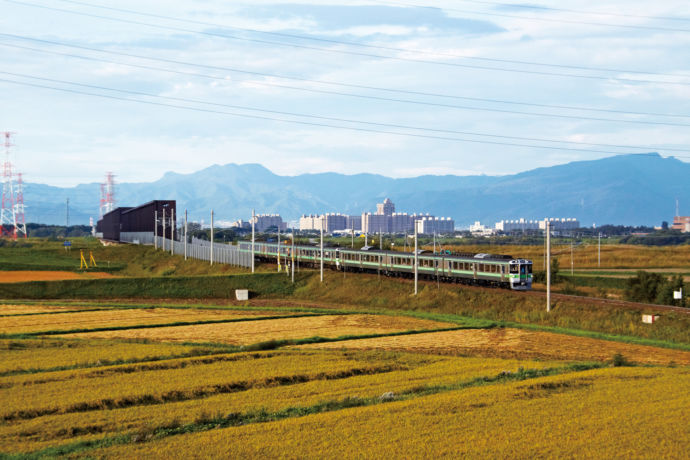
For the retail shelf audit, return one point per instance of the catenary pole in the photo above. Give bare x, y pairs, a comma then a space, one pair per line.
173, 227
548, 266
278, 255
163, 242
292, 255
572, 263
253, 219
599, 252
185, 234
322, 250
416, 276
211, 237
155, 229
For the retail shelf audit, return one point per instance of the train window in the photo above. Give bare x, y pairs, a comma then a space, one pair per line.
503, 269
523, 269
529, 269
514, 269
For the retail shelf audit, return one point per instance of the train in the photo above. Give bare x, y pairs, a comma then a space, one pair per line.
477, 269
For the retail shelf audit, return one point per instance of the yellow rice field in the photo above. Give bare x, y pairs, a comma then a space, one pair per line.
113, 386
607, 413
116, 318
414, 371
18, 309
32, 354
507, 342
277, 329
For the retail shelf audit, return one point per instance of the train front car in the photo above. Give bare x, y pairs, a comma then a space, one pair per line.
520, 274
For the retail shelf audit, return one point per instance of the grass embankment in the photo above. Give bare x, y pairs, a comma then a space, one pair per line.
222, 287
120, 259
569, 316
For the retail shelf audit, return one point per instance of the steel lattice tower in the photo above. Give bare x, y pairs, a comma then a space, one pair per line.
107, 194
12, 213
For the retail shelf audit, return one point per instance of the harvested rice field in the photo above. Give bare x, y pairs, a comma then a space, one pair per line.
139, 386
249, 332
30, 355
594, 414
505, 342
30, 275
120, 318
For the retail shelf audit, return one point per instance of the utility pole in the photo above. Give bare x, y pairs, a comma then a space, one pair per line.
322, 251
415, 259
548, 266
572, 264
292, 255
253, 218
155, 229
353, 236
163, 242
173, 227
185, 234
599, 252
211, 237
381, 239
278, 255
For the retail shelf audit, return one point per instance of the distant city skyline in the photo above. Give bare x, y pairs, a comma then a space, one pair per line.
494, 75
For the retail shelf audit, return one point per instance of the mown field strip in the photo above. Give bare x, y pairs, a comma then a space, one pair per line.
21, 276
107, 319
46, 355
424, 374
295, 327
190, 378
596, 414
511, 343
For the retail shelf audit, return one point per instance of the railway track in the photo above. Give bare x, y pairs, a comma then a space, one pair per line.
612, 302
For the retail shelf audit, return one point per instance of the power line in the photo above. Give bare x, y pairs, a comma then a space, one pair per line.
309, 123
362, 45
351, 53
370, 97
533, 18
386, 125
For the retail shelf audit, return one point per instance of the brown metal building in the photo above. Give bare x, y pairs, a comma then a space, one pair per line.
138, 219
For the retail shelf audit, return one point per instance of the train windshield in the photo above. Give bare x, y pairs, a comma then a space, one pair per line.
514, 268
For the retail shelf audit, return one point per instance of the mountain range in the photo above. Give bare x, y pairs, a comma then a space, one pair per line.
623, 189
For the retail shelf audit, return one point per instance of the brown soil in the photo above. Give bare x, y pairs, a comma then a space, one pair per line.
28, 275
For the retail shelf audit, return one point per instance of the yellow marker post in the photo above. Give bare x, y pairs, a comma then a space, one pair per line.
82, 264
91, 259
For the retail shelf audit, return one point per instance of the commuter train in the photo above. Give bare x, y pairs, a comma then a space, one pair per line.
477, 269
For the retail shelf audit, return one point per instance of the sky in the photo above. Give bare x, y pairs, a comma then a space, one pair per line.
387, 87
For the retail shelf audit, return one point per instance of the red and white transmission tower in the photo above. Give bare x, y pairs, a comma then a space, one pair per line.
12, 220
107, 194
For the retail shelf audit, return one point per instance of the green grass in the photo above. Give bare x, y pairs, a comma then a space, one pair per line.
218, 286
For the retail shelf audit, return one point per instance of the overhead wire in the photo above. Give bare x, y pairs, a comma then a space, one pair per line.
361, 45
350, 52
370, 97
329, 119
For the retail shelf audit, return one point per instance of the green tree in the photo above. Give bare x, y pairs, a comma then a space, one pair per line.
646, 287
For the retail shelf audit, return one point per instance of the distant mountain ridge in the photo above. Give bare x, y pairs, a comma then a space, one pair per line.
623, 189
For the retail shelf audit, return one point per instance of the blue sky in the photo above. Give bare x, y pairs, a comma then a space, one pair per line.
455, 73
